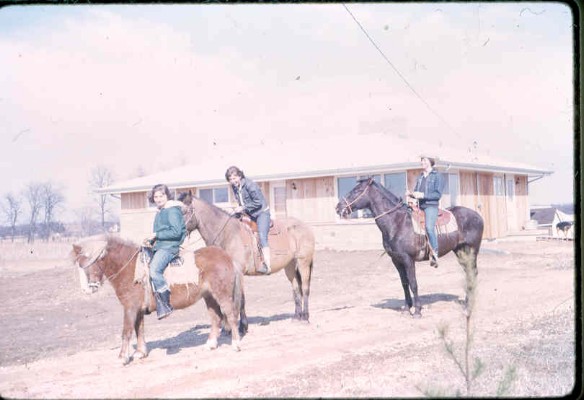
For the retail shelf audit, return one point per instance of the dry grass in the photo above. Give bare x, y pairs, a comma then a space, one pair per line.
39, 250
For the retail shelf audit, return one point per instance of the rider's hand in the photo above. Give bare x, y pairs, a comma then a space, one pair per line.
238, 210
419, 195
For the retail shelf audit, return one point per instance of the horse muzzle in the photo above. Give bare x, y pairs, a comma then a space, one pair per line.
94, 286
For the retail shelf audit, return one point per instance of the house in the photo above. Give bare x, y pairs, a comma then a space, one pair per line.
305, 179
550, 216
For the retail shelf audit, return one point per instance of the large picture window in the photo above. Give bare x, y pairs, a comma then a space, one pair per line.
214, 195
395, 180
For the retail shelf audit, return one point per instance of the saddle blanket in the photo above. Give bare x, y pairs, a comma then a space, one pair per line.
181, 270
446, 223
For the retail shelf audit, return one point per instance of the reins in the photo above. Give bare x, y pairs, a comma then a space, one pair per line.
100, 255
229, 216
398, 205
348, 205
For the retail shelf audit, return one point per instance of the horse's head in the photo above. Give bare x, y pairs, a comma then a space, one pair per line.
356, 199
88, 254
191, 221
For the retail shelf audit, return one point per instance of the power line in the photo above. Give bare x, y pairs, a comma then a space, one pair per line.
400, 75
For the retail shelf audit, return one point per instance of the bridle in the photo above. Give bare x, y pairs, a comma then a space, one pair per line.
348, 205
99, 257
191, 208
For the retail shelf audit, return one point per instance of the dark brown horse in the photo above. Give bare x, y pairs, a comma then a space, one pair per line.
291, 244
403, 245
219, 283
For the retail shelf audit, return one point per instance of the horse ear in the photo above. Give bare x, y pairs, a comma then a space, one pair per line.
76, 248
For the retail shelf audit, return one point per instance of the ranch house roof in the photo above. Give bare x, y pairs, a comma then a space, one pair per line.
278, 160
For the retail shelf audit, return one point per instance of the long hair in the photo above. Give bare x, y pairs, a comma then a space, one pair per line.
233, 170
160, 188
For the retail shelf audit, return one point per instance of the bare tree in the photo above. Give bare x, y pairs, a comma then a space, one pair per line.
101, 177
12, 207
51, 198
33, 193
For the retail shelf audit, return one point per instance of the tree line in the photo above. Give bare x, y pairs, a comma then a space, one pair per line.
34, 211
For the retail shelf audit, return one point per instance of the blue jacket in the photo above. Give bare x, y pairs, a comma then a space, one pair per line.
433, 191
254, 201
169, 227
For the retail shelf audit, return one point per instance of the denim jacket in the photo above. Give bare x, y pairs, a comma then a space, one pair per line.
254, 201
169, 227
433, 191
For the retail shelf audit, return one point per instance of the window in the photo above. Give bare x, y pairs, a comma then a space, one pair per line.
215, 195
449, 190
510, 188
345, 184
498, 186
395, 183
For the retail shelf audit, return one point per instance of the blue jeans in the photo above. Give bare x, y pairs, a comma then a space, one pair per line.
158, 265
431, 217
263, 221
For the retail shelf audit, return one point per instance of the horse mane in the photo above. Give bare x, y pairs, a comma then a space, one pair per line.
386, 193
182, 196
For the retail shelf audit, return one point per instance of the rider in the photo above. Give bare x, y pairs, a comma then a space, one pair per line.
428, 191
252, 201
169, 233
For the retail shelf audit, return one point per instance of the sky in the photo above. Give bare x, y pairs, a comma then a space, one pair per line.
147, 87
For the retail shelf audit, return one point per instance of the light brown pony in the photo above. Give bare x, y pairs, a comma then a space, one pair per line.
219, 283
291, 245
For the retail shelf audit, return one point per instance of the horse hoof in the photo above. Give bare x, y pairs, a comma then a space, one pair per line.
138, 355
211, 344
235, 346
417, 315
126, 361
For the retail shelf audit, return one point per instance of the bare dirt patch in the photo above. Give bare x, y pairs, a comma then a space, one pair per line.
60, 343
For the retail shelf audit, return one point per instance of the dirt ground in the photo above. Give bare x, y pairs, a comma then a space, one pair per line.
57, 342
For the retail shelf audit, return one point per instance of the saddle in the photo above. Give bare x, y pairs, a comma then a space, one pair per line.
278, 240
444, 216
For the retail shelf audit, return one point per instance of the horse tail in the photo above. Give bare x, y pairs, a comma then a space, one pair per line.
237, 295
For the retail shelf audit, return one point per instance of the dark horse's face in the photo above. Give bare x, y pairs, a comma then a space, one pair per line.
90, 268
356, 199
191, 221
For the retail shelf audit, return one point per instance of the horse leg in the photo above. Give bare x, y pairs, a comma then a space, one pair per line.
467, 258
293, 277
304, 274
215, 316
141, 348
410, 267
243, 324
230, 314
405, 284
130, 316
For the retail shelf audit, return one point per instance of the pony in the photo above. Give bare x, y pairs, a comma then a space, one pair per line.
404, 246
291, 245
219, 284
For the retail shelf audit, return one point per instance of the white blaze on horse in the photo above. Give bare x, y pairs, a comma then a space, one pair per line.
219, 283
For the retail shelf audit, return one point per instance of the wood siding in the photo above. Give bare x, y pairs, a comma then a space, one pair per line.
313, 201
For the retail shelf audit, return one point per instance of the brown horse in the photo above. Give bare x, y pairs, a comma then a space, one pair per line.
291, 245
219, 283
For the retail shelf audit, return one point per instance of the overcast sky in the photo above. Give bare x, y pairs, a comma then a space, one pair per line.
143, 87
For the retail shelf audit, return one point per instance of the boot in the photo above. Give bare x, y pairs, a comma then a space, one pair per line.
265, 267
434, 258
163, 307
